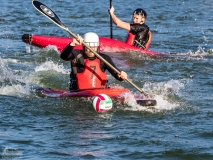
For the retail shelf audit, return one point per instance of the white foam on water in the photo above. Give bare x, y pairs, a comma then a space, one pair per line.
19, 82
132, 104
8, 80
200, 53
162, 93
51, 47
30, 48
15, 90
50, 65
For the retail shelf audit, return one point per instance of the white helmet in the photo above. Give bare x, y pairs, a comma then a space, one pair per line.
91, 39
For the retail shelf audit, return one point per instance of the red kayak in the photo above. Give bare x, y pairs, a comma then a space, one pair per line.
114, 93
106, 44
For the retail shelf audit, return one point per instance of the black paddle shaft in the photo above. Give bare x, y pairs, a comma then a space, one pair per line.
111, 36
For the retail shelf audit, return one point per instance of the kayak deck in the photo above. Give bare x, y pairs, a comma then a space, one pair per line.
114, 93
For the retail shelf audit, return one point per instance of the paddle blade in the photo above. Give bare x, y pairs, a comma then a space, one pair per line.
147, 102
42, 8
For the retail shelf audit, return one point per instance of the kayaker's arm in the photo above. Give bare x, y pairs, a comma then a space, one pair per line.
66, 54
117, 21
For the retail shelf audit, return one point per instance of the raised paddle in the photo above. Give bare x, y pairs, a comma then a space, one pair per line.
111, 36
53, 17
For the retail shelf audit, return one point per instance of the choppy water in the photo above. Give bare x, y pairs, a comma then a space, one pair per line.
179, 127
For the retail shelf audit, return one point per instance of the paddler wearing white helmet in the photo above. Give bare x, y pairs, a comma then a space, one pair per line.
87, 70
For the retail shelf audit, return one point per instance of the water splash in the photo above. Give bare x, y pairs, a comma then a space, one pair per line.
16, 90
10, 83
6, 74
200, 53
167, 94
50, 65
30, 48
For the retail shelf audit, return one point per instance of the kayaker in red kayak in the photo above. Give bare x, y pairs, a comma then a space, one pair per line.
88, 71
138, 28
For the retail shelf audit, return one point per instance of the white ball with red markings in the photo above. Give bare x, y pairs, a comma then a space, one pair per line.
102, 103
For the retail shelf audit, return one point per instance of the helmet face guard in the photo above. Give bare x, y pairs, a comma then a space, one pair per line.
92, 44
98, 48
92, 40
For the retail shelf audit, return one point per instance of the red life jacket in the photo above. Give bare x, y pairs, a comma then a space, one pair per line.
131, 37
92, 76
